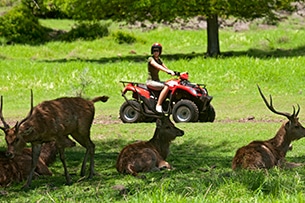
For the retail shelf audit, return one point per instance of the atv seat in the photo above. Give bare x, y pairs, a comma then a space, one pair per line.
141, 85
154, 93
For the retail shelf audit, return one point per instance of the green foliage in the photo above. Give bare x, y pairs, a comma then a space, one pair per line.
8, 2
124, 37
87, 30
43, 9
20, 26
156, 10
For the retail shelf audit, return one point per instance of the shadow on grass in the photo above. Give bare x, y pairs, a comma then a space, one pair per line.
255, 53
186, 158
197, 168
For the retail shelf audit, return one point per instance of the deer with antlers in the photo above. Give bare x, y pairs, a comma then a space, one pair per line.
272, 152
54, 120
147, 156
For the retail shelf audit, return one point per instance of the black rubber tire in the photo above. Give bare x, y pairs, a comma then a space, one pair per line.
128, 114
185, 111
209, 115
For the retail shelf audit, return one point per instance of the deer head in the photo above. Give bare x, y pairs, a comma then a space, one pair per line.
294, 129
166, 129
11, 133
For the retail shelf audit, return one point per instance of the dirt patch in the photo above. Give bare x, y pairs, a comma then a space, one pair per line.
106, 120
250, 119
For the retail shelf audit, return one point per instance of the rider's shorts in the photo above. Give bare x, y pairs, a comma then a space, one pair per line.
154, 85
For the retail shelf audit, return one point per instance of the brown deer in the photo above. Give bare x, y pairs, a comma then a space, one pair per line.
272, 152
146, 156
54, 120
18, 168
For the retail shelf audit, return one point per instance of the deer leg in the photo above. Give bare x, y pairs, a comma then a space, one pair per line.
63, 160
36, 148
90, 151
83, 138
83, 169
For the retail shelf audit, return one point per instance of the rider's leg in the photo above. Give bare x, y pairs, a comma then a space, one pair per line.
161, 98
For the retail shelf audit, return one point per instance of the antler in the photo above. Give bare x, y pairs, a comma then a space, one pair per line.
30, 113
271, 108
6, 126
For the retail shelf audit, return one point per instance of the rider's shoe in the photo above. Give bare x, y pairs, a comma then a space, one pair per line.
159, 108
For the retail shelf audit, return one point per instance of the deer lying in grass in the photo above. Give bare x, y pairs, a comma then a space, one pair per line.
54, 120
18, 168
271, 153
146, 156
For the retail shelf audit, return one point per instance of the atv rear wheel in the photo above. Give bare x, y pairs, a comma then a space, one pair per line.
129, 114
185, 111
209, 115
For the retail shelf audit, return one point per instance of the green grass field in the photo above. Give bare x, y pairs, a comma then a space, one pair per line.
272, 58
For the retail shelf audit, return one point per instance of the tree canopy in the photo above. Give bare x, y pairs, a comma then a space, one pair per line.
169, 10
158, 10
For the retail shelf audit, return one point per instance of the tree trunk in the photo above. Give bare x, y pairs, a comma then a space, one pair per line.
213, 36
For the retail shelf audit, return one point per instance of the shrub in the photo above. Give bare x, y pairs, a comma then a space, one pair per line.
8, 2
87, 31
124, 37
19, 26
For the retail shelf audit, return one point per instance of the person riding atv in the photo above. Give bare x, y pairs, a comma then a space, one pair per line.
155, 64
186, 101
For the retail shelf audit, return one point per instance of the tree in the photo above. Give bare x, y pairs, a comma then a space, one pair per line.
160, 10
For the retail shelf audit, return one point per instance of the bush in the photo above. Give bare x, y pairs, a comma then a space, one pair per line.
19, 26
8, 2
124, 37
87, 31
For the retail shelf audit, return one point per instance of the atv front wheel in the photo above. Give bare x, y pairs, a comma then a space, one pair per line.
128, 114
185, 111
209, 115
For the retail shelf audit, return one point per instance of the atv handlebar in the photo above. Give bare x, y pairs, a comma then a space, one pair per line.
176, 73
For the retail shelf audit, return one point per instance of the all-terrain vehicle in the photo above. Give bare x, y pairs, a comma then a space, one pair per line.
186, 101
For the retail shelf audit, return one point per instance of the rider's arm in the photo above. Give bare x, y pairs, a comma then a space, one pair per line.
161, 67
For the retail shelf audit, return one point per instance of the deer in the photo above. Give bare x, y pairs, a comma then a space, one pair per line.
19, 167
271, 153
149, 156
54, 120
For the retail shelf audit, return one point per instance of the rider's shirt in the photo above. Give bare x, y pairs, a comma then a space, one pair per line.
153, 73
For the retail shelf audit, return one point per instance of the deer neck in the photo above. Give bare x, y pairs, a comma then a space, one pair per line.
161, 145
280, 141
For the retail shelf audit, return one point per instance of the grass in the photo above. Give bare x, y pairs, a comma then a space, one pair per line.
272, 58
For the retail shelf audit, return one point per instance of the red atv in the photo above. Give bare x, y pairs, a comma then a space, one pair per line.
186, 101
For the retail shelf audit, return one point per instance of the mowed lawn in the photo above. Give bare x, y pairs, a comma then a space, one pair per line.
272, 58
